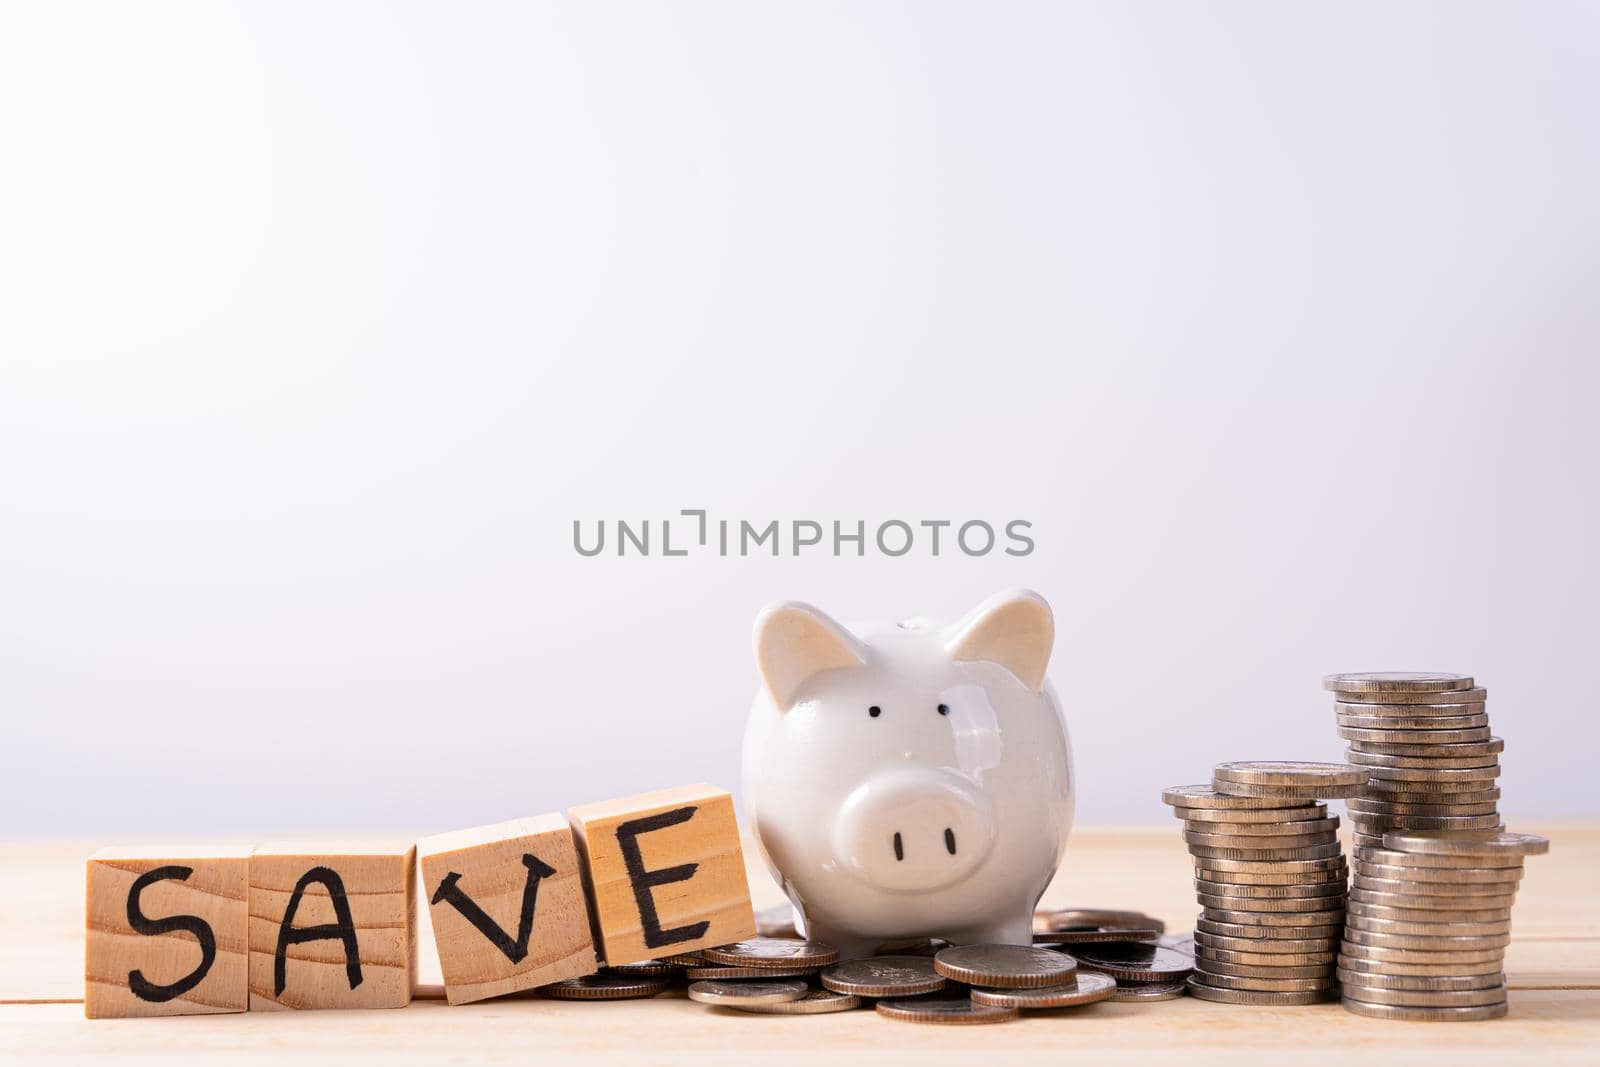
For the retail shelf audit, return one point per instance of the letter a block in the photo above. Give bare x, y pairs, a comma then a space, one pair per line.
332, 927
665, 871
166, 931
508, 907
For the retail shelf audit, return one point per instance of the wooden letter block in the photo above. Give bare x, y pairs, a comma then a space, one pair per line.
665, 872
166, 931
332, 927
508, 907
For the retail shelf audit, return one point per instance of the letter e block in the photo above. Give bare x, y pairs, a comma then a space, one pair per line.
166, 931
332, 926
665, 872
508, 907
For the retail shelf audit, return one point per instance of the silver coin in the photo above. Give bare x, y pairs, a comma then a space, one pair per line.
1428, 892
1072, 919
1421, 970
1086, 988
1263, 829
1067, 938
1145, 991
1430, 775
1420, 722
739, 993
1282, 793
1203, 796
1432, 1015
1201, 991
815, 1002
1006, 966
1451, 696
1466, 843
883, 976
1269, 892
1262, 855
1473, 902
770, 951
1378, 759
1396, 682
1381, 788
1426, 915
1273, 985
1246, 971
1307, 866
1284, 841
1427, 942
1266, 945
1272, 905
1378, 956
1444, 710
1380, 824
1442, 981
1415, 737
1212, 954
1396, 858
1236, 917
1489, 877
1135, 963
1288, 773
1425, 998
944, 1009
1383, 808
1492, 747
1252, 931
1297, 813
1379, 925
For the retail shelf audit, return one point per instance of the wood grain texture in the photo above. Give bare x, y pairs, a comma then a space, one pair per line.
379, 891
488, 865
207, 885
690, 827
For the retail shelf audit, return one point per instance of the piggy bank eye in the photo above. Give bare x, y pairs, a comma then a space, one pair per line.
874, 711
944, 709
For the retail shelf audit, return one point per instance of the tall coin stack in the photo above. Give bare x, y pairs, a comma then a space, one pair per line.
1428, 924
1270, 877
1426, 933
1424, 740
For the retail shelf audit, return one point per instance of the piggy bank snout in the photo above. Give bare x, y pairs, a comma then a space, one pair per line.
914, 830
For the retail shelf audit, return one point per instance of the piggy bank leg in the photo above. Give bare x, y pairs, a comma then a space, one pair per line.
1014, 928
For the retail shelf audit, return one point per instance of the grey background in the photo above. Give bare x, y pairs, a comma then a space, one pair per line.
323, 322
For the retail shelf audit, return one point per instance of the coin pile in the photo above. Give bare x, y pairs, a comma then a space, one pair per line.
1121, 945
1425, 743
1270, 876
1429, 920
768, 975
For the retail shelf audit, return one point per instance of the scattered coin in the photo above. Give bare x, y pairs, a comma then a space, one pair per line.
606, 987
768, 951
1145, 991
737, 994
1396, 682
1467, 843
1135, 963
1087, 988
944, 1009
1089, 937
712, 971
1100, 918
884, 976
815, 1002
1006, 966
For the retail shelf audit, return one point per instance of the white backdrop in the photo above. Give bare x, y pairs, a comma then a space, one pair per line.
321, 323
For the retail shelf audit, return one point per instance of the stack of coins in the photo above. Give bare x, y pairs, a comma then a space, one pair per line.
1430, 917
1270, 875
768, 975
1424, 739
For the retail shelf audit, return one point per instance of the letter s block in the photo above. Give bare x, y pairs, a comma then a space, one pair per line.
165, 931
332, 927
665, 872
508, 907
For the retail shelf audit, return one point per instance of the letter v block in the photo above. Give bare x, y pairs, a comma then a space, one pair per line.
166, 931
507, 906
665, 872
332, 927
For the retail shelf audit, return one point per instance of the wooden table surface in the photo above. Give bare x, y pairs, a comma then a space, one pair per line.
1553, 966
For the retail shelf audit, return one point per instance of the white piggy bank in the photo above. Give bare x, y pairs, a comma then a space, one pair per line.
909, 780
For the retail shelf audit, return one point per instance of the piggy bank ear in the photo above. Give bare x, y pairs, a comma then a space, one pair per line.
795, 641
1014, 629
